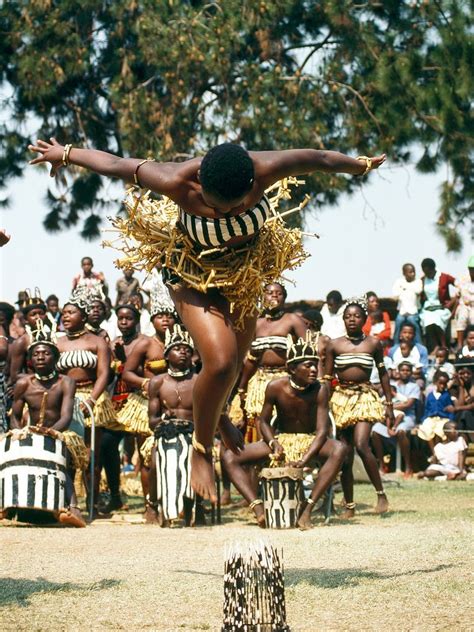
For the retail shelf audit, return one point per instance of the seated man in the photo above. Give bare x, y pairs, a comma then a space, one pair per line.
301, 404
404, 412
170, 411
50, 401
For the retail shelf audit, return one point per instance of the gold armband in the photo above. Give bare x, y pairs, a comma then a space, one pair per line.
135, 174
381, 365
251, 357
368, 164
326, 378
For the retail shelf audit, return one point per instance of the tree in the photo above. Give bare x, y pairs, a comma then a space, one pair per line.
171, 78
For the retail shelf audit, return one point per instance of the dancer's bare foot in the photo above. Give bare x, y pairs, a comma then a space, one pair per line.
151, 513
257, 507
202, 476
382, 504
304, 521
72, 517
349, 511
226, 498
407, 474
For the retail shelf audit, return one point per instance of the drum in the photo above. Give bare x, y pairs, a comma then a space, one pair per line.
173, 466
282, 496
32, 477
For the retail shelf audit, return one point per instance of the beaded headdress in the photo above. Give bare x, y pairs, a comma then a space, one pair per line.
177, 336
94, 294
301, 350
361, 301
79, 298
160, 300
44, 335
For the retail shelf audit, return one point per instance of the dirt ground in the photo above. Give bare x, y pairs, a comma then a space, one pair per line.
408, 570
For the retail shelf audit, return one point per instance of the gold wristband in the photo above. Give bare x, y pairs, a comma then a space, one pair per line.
368, 164
389, 404
66, 152
135, 174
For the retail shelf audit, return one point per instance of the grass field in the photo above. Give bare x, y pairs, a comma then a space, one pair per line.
408, 570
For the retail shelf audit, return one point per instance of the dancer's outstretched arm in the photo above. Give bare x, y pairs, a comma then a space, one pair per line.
160, 177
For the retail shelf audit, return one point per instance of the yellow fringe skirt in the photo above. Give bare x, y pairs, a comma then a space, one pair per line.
351, 403
77, 449
295, 446
104, 411
150, 235
256, 396
134, 415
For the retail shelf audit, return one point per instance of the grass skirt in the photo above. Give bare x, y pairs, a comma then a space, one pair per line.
356, 402
134, 415
104, 411
256, 396
77, 449
151, 236
295, 445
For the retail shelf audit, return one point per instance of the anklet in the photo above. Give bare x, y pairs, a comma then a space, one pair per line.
199, 447
254, 503
380, 493
350, 506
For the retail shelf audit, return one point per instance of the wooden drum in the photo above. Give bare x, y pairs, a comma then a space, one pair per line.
282, 496
32, 477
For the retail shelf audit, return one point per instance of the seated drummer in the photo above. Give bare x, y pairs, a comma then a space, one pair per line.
50, 401
170, 398
301, 404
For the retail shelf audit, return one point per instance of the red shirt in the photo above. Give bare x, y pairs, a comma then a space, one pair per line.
383, 335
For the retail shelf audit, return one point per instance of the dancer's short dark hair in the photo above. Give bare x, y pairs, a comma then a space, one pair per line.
227, 171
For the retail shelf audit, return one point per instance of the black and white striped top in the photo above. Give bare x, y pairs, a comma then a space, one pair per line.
276, 343
362, 360
76, 359
214, 232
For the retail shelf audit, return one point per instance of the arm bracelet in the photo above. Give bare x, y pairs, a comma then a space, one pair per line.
368, 164
66, 152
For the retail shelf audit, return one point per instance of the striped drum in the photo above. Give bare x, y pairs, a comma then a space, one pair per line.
32, 476
282, 496
173, 466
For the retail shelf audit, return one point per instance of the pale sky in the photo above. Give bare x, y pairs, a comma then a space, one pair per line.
364, 240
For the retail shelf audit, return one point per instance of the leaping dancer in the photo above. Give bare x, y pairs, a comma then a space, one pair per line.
222, 207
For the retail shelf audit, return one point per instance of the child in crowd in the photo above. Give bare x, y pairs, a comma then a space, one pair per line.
450, 456
437, 406
378, 324
440, 364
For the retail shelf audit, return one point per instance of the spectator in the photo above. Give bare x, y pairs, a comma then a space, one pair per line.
419, 353
110, 323
465, 310
438, 409
437, 304
407, 290
53, 314
467, 350
331, 311
126, 286
88, 277
449, 456
404, 403
440, 364
464, 404
145, 325
373, 306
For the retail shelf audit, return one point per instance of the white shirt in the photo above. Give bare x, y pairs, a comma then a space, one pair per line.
145, 326
111, 326
408, 295
333, 324
448, 453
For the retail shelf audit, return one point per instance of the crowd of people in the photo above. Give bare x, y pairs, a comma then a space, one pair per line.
131, 366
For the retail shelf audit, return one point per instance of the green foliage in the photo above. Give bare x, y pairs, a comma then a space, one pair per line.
169, 78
